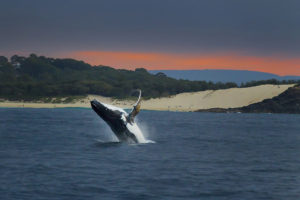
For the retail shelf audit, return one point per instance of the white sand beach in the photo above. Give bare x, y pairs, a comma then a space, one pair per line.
227, 98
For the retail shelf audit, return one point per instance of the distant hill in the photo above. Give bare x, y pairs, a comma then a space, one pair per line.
236, 76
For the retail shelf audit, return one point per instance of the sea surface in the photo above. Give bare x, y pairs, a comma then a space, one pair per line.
72, 154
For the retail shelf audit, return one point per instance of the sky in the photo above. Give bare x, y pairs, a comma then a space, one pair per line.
259, 35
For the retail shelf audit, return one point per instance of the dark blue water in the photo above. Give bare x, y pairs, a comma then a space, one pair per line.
66, 154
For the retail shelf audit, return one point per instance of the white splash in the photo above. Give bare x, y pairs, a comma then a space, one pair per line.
146, 132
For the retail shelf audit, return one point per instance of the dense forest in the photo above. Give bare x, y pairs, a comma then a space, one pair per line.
34, 77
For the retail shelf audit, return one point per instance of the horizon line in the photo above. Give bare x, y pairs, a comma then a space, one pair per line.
279, 66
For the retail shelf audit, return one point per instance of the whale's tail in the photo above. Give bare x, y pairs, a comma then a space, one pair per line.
136, 109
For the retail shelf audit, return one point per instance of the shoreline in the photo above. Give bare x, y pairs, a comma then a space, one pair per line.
183, 102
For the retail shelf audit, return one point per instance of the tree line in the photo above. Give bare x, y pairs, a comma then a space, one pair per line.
34, 77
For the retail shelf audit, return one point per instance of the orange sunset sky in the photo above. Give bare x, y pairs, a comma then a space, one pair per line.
164, 61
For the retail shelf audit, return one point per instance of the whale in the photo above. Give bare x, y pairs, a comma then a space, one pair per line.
122, 124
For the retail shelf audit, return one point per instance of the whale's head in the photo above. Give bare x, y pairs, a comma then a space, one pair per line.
108, 113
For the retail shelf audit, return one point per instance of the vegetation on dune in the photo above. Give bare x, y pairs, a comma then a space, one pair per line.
271, 81
286, 102
37, 77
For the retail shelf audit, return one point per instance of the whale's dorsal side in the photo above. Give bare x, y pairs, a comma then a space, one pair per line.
136, 109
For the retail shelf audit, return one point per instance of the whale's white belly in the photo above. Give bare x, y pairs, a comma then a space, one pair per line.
133, 128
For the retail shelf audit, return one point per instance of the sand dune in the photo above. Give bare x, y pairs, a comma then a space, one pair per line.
227, 98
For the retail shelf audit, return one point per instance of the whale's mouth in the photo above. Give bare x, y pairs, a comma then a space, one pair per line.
97, 106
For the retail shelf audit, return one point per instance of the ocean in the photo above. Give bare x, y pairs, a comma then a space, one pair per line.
72, 154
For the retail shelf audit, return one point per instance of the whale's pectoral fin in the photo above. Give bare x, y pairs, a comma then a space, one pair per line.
136, 109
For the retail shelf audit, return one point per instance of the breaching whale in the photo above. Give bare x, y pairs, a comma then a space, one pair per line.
120, 122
